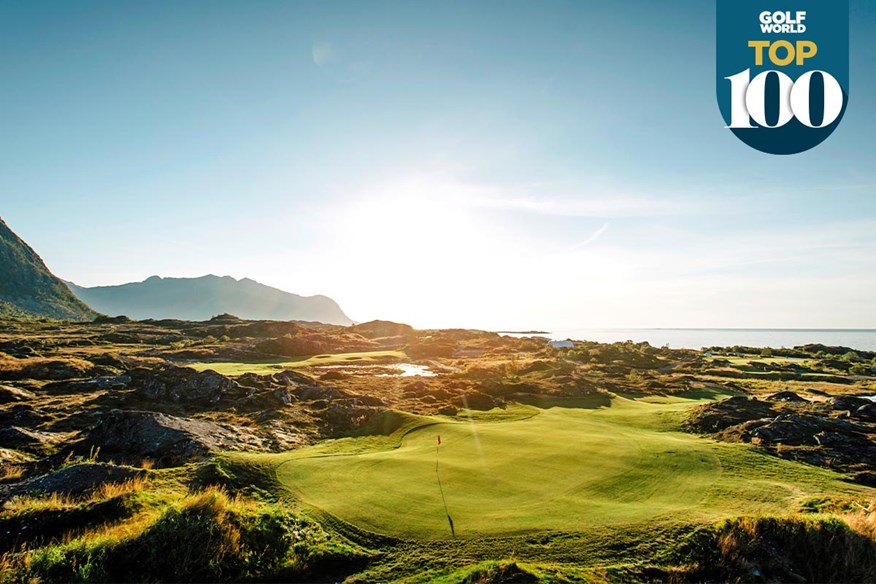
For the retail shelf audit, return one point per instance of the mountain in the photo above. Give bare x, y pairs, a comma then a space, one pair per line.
28, 289
207, 296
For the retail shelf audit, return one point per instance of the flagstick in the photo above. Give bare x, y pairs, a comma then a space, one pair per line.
441, 488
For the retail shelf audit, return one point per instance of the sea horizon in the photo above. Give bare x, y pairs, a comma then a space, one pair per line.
861, 339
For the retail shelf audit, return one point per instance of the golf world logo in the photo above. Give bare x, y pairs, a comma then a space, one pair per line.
783, 71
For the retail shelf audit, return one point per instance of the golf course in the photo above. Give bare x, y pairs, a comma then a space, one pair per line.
564, 466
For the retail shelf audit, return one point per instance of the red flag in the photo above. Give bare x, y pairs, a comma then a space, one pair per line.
439, 439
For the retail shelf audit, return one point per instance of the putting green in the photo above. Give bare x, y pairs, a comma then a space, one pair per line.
561, 468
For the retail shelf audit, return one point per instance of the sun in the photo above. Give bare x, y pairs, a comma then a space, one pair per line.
416, 222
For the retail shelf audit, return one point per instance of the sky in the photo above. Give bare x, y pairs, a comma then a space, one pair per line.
492, 164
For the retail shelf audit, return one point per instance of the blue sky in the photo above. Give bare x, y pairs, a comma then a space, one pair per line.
489, 164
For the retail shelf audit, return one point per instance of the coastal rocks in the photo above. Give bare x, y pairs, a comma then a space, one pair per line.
730, 412
838, 434
167, 439
789, 429
182, 384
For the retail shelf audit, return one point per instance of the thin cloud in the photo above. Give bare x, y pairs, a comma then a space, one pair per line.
593, 237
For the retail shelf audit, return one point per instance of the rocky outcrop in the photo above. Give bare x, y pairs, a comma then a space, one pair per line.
787, 396
104, 382
182, 384
9, 394
71, 480
167, 439
838, 434
27, 440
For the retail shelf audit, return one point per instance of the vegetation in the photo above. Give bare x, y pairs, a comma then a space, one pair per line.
305, 452
266, 367
28, 289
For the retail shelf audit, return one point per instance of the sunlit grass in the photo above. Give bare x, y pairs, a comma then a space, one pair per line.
267, 367
570, 469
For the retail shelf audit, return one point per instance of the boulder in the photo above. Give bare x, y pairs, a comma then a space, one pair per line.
167, 439
182, 384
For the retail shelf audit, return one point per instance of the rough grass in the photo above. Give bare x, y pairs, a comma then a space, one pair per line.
566, 469
781, 549
267, 367
43, 367
203, 536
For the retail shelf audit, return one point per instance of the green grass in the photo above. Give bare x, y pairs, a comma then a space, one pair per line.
266, 367
743, 361
569, 469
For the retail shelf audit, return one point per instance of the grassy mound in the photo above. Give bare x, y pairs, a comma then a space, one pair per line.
203, 536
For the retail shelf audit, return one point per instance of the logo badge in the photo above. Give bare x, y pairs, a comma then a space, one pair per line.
783, 71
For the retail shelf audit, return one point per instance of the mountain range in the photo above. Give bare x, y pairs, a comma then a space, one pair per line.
28, 289
205, 297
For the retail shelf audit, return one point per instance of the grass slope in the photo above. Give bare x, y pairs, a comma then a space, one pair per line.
28, 289
570, 469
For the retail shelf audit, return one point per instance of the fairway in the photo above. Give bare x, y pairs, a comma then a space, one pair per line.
560, 468
270, 366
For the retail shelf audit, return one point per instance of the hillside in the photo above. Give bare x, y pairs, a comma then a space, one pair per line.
28, 289
204, 297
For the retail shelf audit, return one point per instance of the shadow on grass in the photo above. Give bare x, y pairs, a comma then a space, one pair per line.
590, 402
699, 394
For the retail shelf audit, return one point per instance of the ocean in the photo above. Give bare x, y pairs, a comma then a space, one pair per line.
697, 338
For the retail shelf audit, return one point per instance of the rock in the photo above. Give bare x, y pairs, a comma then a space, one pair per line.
182, 384
333, 376
289, 377
104, 382
448, 411
730, 412
866, 412
9, 456
167, 439
71, 480
787, 396
848, 402
24, 439
283, 396
318, 393
790, 429
865, 478
25, 415
475, 400
9, 394
343, 415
